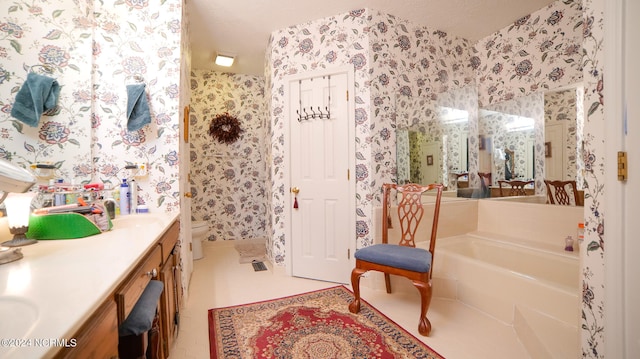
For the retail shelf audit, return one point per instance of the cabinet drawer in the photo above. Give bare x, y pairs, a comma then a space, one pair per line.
169, 240
130, 292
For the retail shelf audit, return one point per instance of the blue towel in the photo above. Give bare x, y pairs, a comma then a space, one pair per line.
39, 94
137, 107
140, 318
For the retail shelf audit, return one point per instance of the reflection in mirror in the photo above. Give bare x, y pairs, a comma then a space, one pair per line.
509, 140
423, 155
563, 134
433, 137
533, 137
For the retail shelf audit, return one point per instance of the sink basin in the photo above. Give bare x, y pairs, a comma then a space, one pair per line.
19, 317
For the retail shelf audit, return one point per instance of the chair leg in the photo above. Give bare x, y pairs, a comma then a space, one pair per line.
387, 282
424, 326
354, 306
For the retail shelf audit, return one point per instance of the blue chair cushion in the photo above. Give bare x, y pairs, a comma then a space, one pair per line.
409, 258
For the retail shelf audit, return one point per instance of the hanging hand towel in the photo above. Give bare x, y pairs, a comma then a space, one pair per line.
137, 107
39, 94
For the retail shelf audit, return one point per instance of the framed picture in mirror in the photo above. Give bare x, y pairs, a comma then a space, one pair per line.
547, 149
481, 142
429, 160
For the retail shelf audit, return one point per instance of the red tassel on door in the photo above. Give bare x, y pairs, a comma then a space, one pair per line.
295, 202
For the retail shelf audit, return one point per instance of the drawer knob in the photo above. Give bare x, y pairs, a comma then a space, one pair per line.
153, 273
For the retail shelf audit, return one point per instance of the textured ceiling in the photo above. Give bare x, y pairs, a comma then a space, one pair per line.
242, 27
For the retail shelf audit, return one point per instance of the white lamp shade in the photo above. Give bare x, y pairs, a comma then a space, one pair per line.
19, 208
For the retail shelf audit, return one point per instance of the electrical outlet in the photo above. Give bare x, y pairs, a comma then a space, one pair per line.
141, 170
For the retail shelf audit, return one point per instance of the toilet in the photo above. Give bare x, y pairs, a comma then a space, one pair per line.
199, 230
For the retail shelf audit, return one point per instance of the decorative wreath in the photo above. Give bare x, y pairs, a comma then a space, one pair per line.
225, 128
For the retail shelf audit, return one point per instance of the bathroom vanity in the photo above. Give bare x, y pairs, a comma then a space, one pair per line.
66, 298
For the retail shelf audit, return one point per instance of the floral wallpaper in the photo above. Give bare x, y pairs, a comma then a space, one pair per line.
138, 42
94, 50
538, 52
228, 181
592, 249
54, 40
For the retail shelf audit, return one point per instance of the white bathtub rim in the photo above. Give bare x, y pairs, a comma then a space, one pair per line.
441, 250
521, 243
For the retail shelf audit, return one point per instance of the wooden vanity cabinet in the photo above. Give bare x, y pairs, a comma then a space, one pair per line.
98, 336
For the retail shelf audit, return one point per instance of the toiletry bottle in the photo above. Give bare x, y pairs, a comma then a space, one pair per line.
568, 244
59, 197
133, 193
72, 196
116, 197
124, 197
580, 232
110, 206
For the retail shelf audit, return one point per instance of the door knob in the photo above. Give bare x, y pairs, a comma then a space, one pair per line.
188, 194
295, 190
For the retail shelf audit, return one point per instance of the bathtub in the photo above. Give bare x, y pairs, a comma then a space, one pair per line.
524, 260
529, 285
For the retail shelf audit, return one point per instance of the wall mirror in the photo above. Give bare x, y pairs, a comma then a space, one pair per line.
432, 137
535, 137
448, 139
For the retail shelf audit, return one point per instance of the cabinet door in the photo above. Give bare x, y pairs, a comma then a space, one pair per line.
177, 276
168, 305
98, 337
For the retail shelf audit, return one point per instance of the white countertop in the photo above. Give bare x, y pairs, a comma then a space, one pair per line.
48, 294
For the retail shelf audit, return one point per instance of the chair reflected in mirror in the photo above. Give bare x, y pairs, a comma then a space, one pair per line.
563, 193
514, 188
485, 178
462, 179
402, 259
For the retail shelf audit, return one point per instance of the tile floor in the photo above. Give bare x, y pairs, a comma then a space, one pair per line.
218, 280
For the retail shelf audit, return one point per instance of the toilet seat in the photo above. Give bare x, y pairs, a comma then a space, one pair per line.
199, 230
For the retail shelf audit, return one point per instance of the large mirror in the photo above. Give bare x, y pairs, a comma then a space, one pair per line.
449, 140
432, 137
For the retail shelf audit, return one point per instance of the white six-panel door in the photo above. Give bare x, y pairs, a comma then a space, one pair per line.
322, 225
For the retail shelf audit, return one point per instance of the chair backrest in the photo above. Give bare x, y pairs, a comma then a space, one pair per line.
486, 178
517, 187
410, 211
557, 192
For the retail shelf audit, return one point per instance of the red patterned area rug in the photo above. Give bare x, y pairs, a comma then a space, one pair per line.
312, 325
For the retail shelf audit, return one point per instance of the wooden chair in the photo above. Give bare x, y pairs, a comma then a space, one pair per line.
403, 259
517, 187
557, 192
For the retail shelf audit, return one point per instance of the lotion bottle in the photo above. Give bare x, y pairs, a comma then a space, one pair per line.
124, 197
133, 194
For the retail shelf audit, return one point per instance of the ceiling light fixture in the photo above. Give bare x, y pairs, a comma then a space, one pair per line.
224, 60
